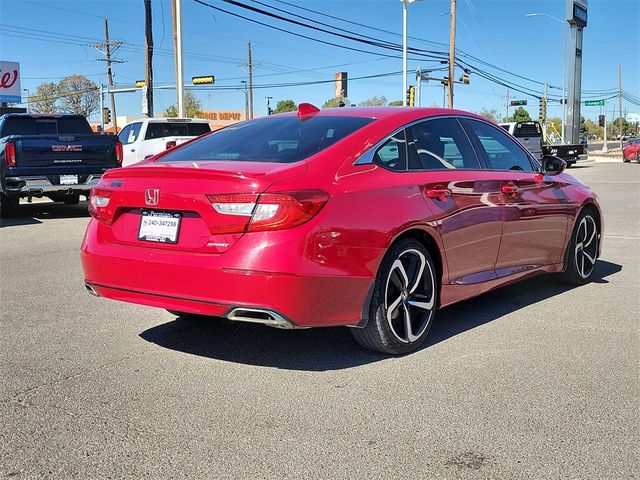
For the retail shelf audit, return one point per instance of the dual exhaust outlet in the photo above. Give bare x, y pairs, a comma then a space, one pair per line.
241, 314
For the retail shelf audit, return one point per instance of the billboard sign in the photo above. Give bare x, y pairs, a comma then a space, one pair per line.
10, 91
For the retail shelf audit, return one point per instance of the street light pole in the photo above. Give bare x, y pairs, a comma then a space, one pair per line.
404, 53
564, 67
404, 50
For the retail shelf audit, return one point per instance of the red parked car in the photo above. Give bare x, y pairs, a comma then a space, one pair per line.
632, 151
372, 218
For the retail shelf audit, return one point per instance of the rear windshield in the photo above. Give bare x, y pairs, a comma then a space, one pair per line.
527, 129
281, 140
45, 126
170, 129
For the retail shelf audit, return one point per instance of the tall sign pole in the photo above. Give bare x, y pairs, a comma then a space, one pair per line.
148, 58
577, 18
177, 41
452, 51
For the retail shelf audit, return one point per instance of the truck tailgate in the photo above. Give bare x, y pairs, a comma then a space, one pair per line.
65, 150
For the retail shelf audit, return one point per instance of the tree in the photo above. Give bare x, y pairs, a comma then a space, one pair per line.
583, 126
374, 102
78, 95
491, 114
192, 107
520, 115
285, 106
45, 99
335, 102
395, 103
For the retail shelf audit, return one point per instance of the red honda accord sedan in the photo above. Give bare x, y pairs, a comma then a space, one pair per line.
371, 218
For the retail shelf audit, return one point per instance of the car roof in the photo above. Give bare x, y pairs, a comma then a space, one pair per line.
43, 115
383, 113
174, 119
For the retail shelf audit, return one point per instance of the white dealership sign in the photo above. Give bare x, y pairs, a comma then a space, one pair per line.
10, 91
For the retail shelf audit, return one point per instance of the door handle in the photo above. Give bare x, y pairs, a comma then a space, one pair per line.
132, 150
510, 189
439, 193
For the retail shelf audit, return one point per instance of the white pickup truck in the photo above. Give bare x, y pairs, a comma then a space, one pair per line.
144, 138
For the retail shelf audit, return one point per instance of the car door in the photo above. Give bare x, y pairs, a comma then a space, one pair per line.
129, 136
459, 194
536, 207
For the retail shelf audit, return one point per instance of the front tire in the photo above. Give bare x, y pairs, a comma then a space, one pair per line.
583, 250
403, 303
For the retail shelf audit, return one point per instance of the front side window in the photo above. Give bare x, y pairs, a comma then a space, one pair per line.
440, 144
124, 135
133, 134
501, 152
392, 154
270, 139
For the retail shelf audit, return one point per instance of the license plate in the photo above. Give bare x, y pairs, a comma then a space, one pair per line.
68, 179
156, 226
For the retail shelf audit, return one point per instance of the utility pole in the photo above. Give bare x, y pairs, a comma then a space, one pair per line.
148, 58
176, 12
452, 51
620, 100
507, 104
250, 67
108, 48
246, 99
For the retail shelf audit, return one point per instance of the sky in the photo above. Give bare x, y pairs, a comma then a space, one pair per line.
52, 39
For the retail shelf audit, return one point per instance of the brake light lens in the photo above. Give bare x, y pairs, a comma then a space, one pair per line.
268, 211
119, 152
10, 154
98, 205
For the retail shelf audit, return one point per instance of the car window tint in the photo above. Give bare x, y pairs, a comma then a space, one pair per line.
124, 135
197, 129
392, 154
527, 129
501, 151
73, 125
440, 144
269, 139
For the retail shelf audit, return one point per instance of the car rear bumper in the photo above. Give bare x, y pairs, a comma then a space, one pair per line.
219, 284
40, 185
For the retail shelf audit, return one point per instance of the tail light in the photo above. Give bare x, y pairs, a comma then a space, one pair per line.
170, 144
99, 209
119, 152
268, 211
10, 154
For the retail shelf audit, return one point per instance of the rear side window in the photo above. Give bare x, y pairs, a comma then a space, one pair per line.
440, 144
501, 152
392, 154
129, 134
272, 139
169, 129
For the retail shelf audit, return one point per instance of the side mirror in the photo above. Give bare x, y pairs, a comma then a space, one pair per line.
552, 165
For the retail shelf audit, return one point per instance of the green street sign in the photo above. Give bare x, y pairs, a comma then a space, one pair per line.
594, 103
516, 103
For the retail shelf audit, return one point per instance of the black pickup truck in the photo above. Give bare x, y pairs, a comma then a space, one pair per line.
50, 155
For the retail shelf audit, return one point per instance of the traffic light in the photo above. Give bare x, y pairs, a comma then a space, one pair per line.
270, 111
411, 96
106, 115
206, 80
464, 79
601, 120
543, 109
140, 83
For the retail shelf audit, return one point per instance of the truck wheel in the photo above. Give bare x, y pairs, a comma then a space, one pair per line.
8, 205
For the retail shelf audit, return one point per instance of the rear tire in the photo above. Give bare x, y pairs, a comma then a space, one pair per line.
8, 205
624, 158
404, 301
582, 250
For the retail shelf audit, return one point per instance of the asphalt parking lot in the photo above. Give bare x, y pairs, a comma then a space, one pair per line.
535, 380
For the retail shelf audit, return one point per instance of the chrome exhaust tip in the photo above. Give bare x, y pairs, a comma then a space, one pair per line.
258, 315
91, 290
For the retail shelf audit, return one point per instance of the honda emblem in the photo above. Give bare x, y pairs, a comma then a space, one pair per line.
151, 196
